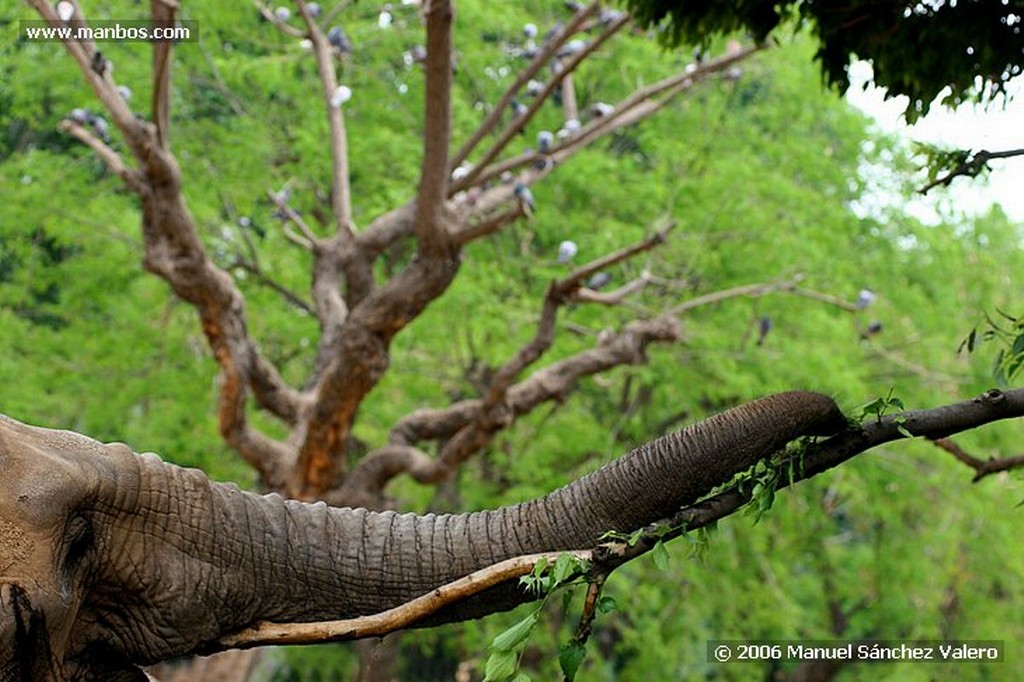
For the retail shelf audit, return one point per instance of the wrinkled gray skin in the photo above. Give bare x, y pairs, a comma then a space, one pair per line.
110, 559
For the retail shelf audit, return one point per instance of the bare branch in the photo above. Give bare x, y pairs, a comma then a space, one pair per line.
827, 298
174, 252
570, 109
110, 158
341, 192
387, 229
617, 296
469, 425
398, 618
253, 268
595, 266
97, 73
982, 468
638, 106
268, 14
538, 62
472, 177
736, 292
365, 482
430, 199
288, 212
163, 12
488, 226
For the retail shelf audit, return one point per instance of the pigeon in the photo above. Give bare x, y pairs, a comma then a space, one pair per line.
525, 196
599, 280
566, 251
545, 140
764, 326
341, 94
865, 297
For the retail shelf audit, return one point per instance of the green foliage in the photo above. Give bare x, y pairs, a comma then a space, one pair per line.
941, 161
1009, 332
916, 49
879, 406
507, 648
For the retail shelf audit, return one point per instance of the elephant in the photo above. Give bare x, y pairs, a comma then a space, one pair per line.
110, 560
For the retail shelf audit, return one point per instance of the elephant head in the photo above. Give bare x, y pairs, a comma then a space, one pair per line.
109, 560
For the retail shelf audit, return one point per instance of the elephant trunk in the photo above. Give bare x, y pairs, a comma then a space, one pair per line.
201, 560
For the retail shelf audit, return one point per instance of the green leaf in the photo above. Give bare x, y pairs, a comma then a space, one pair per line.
564, 565
500, 666
969, 342
514, 637
607, 604
567, 596
874, 407
570, 658
660, 556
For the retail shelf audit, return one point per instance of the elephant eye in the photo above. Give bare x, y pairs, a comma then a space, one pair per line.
77, 541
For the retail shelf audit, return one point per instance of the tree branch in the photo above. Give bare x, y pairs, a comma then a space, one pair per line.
982, 468
736, 292
398, 618
633, 109
341, 193
162, 11
430, 225
473, 177
493, 413
538, 62
108, 156
467, 426
174, 252
253, 268
971, 167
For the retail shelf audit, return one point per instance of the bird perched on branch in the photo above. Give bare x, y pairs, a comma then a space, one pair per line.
865, 298
101, 128
341, 94
65, 10
764, 326
82, 116
871, 330
599, 280
566, 251
525, 197
385, 18
101, 64
545, 140
339, 40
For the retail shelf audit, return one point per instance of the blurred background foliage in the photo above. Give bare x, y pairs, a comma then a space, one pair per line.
765, 176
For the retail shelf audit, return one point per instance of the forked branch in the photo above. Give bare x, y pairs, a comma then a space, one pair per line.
982, 467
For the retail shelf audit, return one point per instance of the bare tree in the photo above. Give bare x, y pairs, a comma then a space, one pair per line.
360, 314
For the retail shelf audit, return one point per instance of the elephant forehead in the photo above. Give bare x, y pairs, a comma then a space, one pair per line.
39, 476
